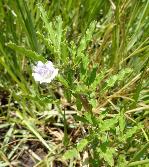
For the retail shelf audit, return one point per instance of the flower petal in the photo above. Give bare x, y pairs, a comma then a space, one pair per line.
44, 73
37, 77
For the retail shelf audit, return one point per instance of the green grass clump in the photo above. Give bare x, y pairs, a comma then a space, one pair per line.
96, 111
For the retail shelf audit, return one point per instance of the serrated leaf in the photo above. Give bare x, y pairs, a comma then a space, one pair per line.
111, 81
93, 102
70, 154
87, 38
91, 118
98, 79
81, 119
82, 144
121, 121
55, 30
118, 77
90, 31
123, 73
83, 66
63, 81
59, 31
69, 76
121, 161
130, 132
78, 104
108, 124
82, 46
41, 99
91, 76
107, 153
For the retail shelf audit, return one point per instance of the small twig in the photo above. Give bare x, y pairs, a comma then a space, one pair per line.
137, 109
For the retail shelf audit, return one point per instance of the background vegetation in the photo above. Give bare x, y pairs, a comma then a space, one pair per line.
96, 112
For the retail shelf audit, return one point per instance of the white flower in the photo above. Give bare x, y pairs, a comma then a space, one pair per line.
44, 73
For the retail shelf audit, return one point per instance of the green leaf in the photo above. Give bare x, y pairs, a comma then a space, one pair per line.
78, 104
88, 117
84, 66
59, 31
107, 153
112, 80
118, 77
90, 31
91, 118
86, 38
108, 124
82, 144
121, 121
63, 81
70, 154
122, 74
121, 161
81, 119
54, 29
91, 76
98, 79
26, 52
130, 132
